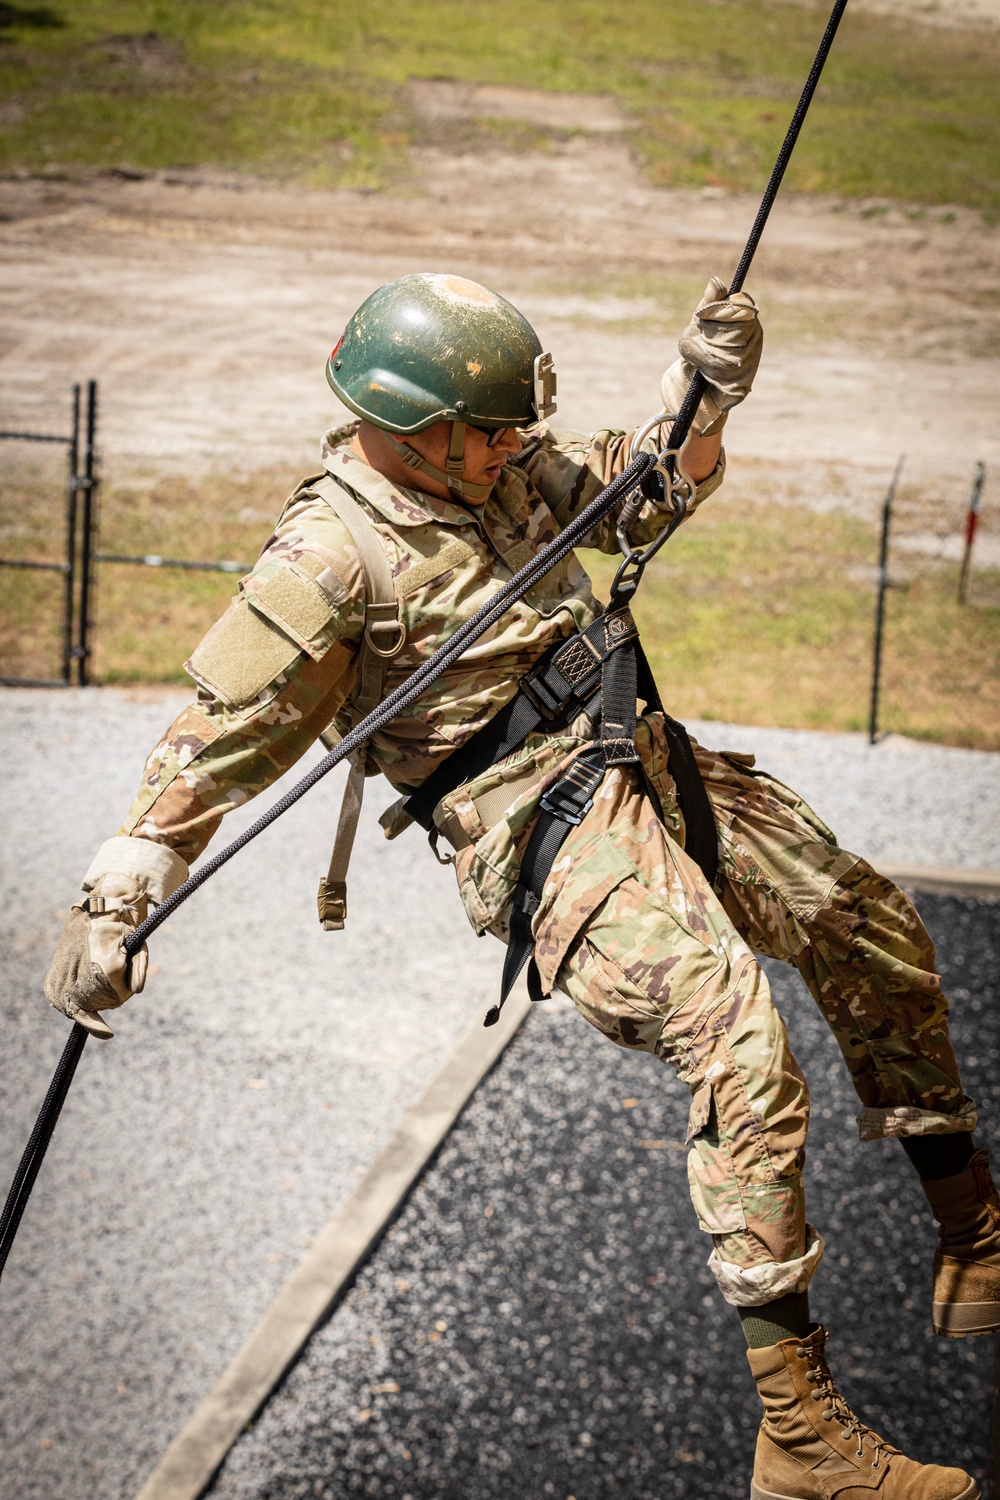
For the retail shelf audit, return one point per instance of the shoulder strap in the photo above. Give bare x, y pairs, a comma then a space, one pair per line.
384, 635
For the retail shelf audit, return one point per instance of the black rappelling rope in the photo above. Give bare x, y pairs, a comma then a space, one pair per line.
407, 692
696, 389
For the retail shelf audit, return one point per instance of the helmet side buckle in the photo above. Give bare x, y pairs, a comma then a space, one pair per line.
545, 386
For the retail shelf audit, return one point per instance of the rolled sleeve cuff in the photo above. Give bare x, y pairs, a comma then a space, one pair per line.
904, 1120
752, 1286
158, 870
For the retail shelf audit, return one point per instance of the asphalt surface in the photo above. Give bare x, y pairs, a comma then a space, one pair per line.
266, 1063
540, 1322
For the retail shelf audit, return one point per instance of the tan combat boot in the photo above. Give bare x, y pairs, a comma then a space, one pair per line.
967, 1262
811, 1446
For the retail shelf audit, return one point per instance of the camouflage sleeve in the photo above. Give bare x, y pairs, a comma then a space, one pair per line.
568, 469
272, 674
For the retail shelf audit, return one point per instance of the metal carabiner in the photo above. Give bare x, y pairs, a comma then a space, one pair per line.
679, 490
643, 432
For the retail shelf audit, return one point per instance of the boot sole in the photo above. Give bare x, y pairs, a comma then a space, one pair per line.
971, 1492
960, 1320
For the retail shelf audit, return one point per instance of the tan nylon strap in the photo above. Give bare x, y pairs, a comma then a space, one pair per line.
459, 488
383, 638
384, 633
331, 900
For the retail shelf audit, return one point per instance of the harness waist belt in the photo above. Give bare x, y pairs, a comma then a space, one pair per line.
589, 671
564, 683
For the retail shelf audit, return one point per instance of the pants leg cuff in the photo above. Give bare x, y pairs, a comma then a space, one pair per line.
903, 1120
752, 1286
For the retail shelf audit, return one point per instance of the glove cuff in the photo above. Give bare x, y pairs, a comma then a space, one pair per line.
710, 416
157, 869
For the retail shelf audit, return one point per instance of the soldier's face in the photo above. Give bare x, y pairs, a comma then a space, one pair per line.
484, 456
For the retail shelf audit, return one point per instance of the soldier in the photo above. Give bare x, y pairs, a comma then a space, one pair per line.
450, 480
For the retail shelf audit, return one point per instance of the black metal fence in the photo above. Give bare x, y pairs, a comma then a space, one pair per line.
76, 565
81, 557
966, 524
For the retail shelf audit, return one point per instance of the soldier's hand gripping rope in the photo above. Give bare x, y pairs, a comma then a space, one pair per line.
109, 929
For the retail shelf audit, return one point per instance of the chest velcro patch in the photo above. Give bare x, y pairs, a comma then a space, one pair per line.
517, 556
452, 555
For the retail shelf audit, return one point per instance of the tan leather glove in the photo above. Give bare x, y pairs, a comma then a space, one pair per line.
91, 971
723, 341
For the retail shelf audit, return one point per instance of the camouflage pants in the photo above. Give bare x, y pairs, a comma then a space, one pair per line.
632, 933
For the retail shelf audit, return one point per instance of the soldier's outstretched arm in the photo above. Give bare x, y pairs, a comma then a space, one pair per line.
272, 674
723, 341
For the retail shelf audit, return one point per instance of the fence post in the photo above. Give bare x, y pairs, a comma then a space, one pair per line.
883, 584
971, 523
71, 507
88, 483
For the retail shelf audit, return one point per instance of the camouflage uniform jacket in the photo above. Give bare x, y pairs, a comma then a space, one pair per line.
280, 664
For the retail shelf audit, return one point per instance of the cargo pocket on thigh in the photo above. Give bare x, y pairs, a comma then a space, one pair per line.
577, 886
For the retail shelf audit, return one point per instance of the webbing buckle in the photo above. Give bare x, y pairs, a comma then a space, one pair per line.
576, 662
540, 695
572, 797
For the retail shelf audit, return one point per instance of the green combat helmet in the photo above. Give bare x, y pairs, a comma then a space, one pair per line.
431, 348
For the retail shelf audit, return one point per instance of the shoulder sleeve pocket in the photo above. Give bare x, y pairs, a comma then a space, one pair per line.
242, 656
279, 615
296, 604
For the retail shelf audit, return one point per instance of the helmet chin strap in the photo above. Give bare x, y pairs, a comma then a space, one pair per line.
459, 488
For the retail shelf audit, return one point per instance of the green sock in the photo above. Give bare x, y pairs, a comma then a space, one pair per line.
785, 1318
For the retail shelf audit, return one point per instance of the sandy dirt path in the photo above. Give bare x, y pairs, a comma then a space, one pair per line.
206, 307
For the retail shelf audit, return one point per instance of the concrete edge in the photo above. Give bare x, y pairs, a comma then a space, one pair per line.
944, 880
308, 1296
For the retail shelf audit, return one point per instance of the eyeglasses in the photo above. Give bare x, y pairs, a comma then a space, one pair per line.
494, 434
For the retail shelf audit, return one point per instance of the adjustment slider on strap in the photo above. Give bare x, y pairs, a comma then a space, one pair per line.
331, 901
573, 795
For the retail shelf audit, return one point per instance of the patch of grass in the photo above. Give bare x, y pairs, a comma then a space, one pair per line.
147, 620
317, 90
758, 614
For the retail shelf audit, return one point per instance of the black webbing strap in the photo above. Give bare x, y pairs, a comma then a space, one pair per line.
565, 805
505, 731
624, 673
564, 682
546, 840
618, 706
701, 838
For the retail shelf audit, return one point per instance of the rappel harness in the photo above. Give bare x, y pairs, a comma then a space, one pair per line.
604, 659
601, 671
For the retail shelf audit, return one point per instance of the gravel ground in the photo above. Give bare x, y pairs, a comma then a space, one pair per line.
540, 1322
258, 1074
241, 1099
901, 801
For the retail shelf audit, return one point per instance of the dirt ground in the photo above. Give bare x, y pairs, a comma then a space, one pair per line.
206, 307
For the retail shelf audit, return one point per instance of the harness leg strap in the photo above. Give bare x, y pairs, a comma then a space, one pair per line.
543, 846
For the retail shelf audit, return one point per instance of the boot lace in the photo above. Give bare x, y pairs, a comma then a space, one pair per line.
837, 1408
